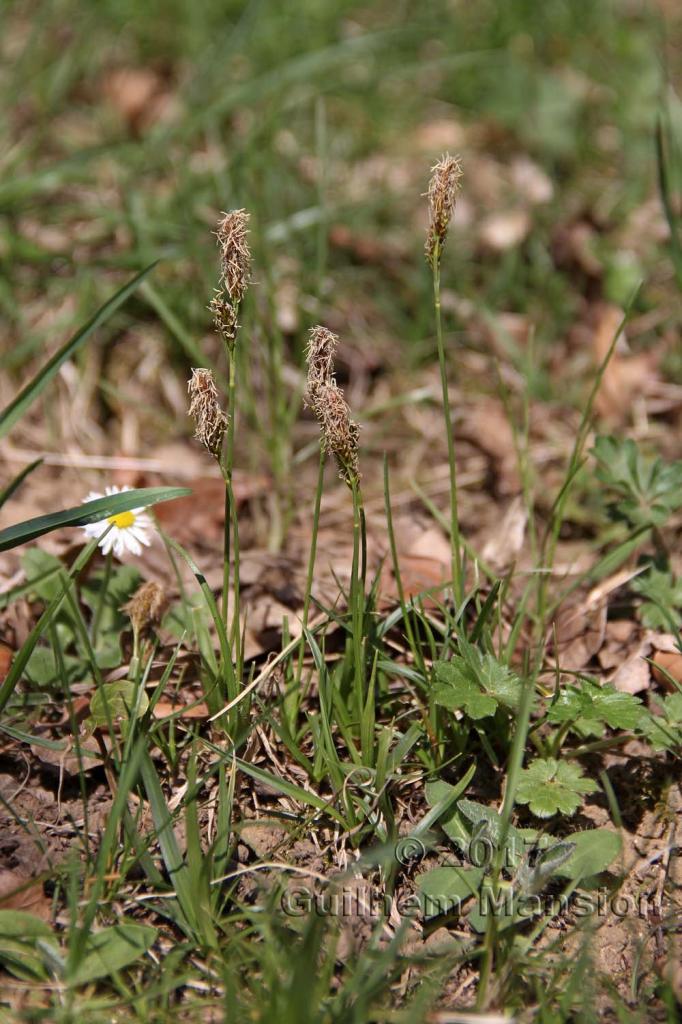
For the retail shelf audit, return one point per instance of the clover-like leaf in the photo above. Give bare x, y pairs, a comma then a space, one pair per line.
664, 732
476, 683
590, 703
549, 787
648, 489
662, 599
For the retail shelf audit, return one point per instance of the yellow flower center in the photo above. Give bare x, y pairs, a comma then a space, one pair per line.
123, 520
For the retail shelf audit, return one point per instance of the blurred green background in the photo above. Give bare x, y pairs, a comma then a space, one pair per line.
127, 127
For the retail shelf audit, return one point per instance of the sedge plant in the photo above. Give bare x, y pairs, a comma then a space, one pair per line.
442, 195
340, 437
214, 427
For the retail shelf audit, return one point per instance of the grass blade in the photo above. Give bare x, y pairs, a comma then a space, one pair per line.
14, 485
16, 408
89, 512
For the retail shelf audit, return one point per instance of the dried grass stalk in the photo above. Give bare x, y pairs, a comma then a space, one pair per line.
204, 407
442, 196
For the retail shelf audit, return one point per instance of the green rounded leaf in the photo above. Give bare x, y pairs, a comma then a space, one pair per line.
594, 850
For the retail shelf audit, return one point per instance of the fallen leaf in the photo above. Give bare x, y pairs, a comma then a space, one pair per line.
579, 634
66, 760
424, 562
19, 891
507, 540
625, 376
166, 708
634, 675
6, 654
487, 426
199, 516
667, 663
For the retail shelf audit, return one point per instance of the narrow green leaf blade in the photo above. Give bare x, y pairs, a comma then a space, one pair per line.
89, 512
16, 408
18, 480
112, 949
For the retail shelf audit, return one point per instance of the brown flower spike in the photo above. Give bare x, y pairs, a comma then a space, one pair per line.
340, 434
210, 420
235, 255
320, 355
442, 196
146, 606
224, 317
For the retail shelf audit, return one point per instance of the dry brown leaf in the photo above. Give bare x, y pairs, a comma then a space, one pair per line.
66, 760
424, 561
6, 654
507, 540
431, 543
419, 574
579, 634
199, 516
634, 675
667, 663
166, 708
625, 376
267, 614
19, 891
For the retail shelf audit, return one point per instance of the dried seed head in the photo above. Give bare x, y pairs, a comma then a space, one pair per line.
235, 255
209, 419
224, 317
320, 357
442, 196
340, 434
146, 606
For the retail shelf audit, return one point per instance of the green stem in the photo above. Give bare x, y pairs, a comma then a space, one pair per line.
226, 463
96, 622
357, 596
514, 767
407, 617
455, 545
311, 566
235, 634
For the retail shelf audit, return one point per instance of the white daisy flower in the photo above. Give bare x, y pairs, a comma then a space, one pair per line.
129, 530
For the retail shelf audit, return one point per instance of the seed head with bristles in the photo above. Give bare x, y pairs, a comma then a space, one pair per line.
442, 196
146, 606
320, 357
224, 317
340, 434
209, 419
235, 254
